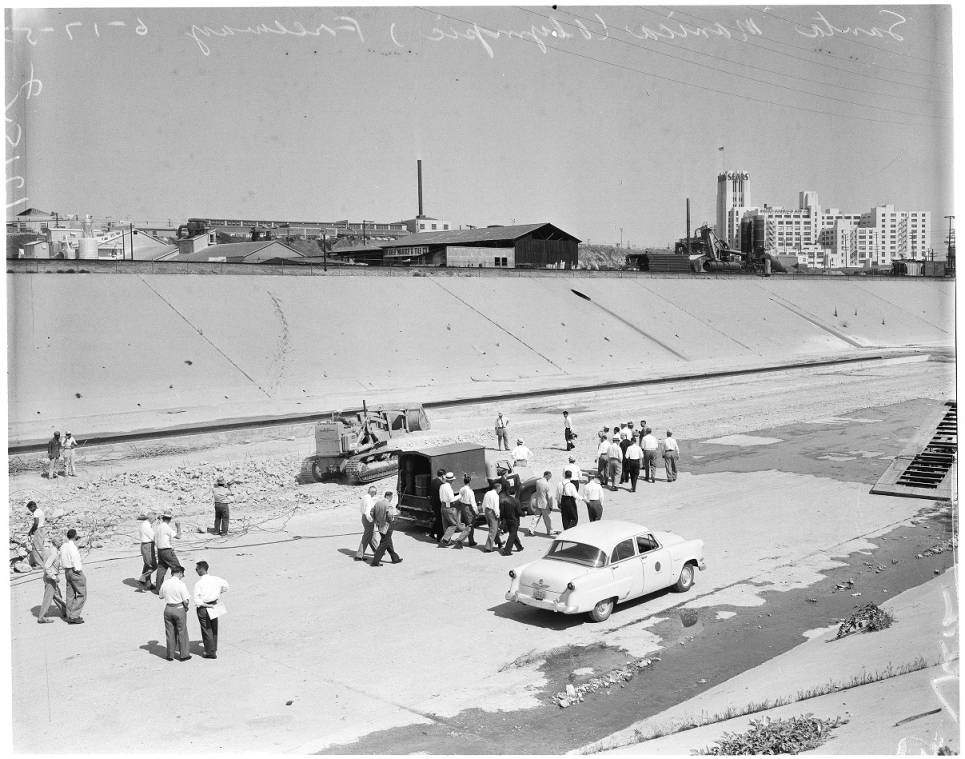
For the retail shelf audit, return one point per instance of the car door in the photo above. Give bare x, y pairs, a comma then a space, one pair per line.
625, 569
655, 563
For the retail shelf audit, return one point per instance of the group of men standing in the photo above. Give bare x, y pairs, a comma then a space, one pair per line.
60, 451
623, 456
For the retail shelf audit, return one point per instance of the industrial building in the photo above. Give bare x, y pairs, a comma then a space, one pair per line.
522, 246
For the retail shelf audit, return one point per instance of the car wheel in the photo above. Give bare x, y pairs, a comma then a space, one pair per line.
686, 580
602, 610
317, 472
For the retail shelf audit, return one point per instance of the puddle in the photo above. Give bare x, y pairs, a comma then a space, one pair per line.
743, 440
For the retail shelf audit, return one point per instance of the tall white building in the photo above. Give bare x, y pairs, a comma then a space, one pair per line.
733, 199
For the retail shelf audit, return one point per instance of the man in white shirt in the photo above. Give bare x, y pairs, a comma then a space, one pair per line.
543, 504
467, 512
490, 507
223, 498
207, 595
568, 435
67, 452
176, 599
36, 535
521, 454
593, 495
634, 458
649, 445
502, 432
568, 502
450, 516
74, 578
602, 452
575, 470
614, 462
671, 452
52, 580
368, 524
624, 431
148, 554
166, 558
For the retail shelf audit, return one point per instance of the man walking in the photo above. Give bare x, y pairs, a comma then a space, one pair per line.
614, 459
509, 513
73, 578
223, 497
207, 600
671, 452
435, 504
67, 450
490, 506
166, 558
593, 495
368, 523
450, 515
176, 599
36, 535
634, 456
625, 440
467, 512
148, 554
543, 504
52, 581
53, 456
568, 434
568, 502
602, 456
502, 432
383, 513
649, 445
521, 454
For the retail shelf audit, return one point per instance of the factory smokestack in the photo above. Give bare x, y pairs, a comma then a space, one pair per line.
419, 167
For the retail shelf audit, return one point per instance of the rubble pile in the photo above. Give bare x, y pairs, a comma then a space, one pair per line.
867, 618
574, 693
946, 545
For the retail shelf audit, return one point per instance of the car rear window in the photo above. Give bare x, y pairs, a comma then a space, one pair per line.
576, 553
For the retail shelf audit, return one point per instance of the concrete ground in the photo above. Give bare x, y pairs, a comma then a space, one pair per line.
319, 652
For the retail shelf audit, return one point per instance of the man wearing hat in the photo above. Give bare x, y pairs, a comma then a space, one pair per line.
450, 515
52, 580
575, 470
148, 555
383, 513
222, 497
649, 445
671, 451
521, 454
67, 449
207, 596
166, 558
502, 432
176, 599
53, 456
36, 535
614, 462
74, 578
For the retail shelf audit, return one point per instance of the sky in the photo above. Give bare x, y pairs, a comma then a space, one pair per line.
602, 120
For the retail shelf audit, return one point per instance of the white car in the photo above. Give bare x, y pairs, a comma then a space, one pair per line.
592, 567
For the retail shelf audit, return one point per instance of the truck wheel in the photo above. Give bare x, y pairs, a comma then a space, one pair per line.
686, 580
317, 472
602, 610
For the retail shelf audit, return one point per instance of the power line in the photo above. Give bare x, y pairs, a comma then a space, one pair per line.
692, 84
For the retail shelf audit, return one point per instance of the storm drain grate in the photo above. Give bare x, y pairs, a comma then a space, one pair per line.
928, 468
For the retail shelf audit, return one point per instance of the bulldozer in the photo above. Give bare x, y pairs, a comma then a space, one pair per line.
355, 447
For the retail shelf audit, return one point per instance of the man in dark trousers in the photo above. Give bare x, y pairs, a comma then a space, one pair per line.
509, 515
436, 504
624, 444
382, 514
568, 501
207, 600
568, 434
223, 497
53, 456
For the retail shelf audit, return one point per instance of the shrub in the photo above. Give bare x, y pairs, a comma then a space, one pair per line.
780, 736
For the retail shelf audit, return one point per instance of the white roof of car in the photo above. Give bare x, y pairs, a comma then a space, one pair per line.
603, 533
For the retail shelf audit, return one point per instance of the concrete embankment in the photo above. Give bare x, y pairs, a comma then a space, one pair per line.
116, 353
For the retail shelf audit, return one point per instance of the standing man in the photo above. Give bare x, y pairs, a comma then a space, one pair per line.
67, 449
53, 456
613, 462
625, 439
36, 535
176, 599
593, 495
634, 456
568, 434
509, 513
74, 579
52, 580
649, 445
368, 523
222, 495
671, 452
568, 502
467, 510
543, 502
602, 456
383, 513
436, 504
148, 554
207, 596
575, 471
166, 558
450, 515
490, 506
521, 454
502, 432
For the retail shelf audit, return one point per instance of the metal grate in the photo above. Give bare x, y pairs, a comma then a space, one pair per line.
928, 468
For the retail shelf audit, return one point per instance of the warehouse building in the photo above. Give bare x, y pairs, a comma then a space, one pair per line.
522, 246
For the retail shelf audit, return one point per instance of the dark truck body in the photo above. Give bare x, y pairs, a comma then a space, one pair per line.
418, 468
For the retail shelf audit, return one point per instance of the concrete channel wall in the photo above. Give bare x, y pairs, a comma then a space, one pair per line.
119, 353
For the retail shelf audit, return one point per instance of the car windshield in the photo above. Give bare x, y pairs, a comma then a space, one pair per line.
576, 553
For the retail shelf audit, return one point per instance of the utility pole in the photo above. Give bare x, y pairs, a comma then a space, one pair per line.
621, 237
325, 255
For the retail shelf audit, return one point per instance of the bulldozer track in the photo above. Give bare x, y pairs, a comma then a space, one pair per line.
360, 472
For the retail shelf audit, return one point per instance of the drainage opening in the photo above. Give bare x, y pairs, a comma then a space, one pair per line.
928, 468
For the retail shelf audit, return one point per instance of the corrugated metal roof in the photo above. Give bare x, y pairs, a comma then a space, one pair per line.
458, 236
233, 251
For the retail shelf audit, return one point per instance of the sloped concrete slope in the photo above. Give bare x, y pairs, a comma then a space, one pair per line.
113, 352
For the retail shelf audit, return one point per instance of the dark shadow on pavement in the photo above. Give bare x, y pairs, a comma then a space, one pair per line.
528, 615
131, 582
155, 647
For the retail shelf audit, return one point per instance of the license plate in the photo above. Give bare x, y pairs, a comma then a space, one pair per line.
539, 595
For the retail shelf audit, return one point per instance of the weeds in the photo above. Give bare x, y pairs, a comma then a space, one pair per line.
867, 618
780, 736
